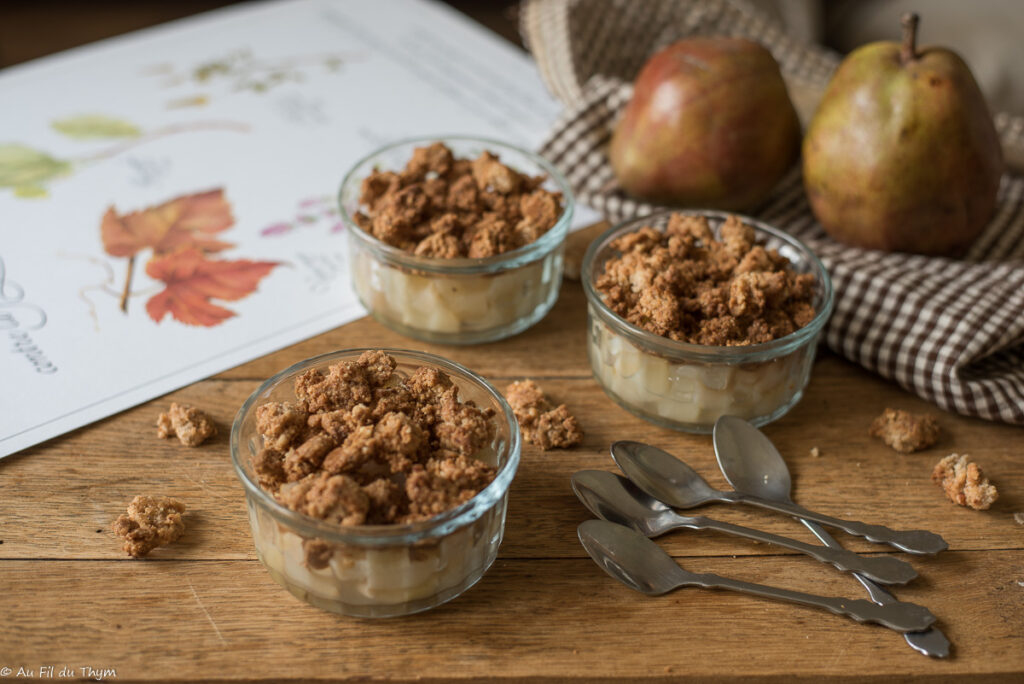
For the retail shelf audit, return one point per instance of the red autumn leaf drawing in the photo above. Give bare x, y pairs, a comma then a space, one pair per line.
192, 281
186, 221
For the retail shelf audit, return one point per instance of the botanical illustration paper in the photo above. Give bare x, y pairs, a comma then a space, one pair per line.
167, 198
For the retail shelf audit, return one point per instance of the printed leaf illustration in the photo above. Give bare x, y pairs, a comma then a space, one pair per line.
27, 170
96, 127
192, 281
186, 221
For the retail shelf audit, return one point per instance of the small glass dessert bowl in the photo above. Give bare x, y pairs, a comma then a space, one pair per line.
332, 522
456, 240
693, 315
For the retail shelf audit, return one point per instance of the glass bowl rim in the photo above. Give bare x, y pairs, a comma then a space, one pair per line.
462, 265
382, 535
720, 354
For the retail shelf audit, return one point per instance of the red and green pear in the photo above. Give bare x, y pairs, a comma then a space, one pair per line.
710, 125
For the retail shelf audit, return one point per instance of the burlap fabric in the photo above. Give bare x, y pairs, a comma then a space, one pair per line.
951, 331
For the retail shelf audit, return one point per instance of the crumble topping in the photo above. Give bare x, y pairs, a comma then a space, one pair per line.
815, 452
1018, 518
685, 285
542, 423
964, 483
191, 425
363, 445
150, 522
443, 207
905, 432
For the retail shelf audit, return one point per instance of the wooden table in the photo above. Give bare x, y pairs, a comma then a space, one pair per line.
205, 608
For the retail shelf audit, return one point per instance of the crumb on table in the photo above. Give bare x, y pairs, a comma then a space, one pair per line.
815, 452
150, 522
964, 482
905, 432
191, 425
542, 423
1019, 518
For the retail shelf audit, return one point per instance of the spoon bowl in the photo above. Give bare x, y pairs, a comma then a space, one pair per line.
749, 461
663, 476
616, 499
629, 557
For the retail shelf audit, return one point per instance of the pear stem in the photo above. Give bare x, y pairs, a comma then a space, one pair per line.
908, 51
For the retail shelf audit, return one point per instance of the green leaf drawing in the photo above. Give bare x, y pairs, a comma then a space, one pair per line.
95, 126
27, 170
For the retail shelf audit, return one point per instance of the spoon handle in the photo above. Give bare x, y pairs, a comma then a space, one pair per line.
911, 541
899, 616
931, 642
884, 569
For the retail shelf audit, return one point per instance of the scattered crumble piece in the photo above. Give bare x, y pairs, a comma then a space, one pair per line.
1019, 518
815, 452
447, 208
191, 425
362, 444
542, 423
905, 432
686, 285
150, 522
964, 482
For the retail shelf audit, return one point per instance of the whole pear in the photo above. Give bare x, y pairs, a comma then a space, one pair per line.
902, 154
710, 124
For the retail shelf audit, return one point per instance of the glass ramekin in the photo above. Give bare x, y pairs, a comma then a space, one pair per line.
689, 386
456, 301
379, 570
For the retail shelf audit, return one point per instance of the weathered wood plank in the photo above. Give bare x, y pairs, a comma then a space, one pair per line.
526, 619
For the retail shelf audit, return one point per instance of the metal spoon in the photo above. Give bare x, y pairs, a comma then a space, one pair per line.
616, 499
640, 564
746, 456
668, 479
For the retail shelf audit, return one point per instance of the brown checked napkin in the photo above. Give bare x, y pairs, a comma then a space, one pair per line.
951, 331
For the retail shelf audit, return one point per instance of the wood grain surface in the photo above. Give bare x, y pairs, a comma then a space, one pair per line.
205, 608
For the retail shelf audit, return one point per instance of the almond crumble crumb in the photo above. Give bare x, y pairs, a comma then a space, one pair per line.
685, 285
1019, 518
815, 452
447, 208
905, 432
363, 444
191, 425
150, 522
542, 423
964, 482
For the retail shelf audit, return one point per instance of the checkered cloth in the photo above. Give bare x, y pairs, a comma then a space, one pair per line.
951, 331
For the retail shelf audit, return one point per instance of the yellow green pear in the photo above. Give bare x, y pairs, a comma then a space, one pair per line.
902, 154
